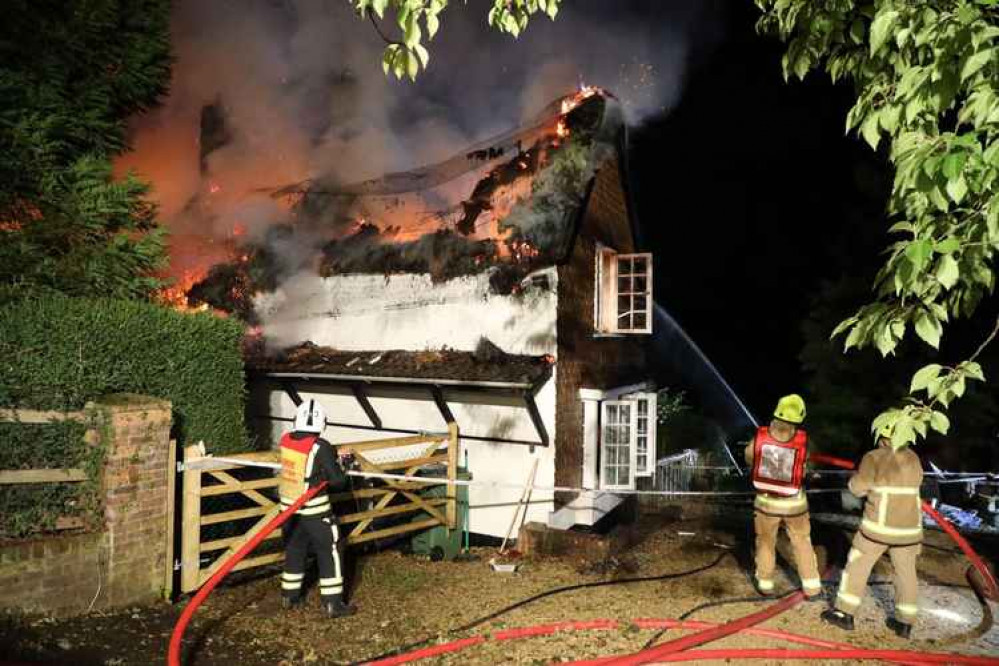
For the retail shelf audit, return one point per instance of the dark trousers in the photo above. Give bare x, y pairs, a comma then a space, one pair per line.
322, 537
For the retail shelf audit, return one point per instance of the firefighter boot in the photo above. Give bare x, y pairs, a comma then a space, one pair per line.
288, 603
838, 618
336, 608
901, 629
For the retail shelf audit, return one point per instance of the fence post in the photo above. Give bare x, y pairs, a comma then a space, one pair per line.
452, 475
170, 518
190, 546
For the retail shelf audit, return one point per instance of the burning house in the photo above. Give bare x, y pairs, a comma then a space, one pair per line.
503, 290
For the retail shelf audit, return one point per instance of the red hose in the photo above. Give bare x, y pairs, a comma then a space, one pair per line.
842, 650
973, 557
831, 460
173, 654
721, 631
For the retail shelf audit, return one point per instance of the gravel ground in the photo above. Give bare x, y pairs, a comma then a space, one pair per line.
404, 599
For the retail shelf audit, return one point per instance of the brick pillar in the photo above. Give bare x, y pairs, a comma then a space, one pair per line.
135, 494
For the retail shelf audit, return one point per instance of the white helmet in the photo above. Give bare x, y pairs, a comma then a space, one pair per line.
310, 417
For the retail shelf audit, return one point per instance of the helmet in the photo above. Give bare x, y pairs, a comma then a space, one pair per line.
886, 432
310, 417
791, 408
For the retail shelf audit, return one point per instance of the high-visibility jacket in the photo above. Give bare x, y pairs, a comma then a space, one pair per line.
791, 501
890, 481
307, 461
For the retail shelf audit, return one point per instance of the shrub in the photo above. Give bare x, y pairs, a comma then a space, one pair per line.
59, 353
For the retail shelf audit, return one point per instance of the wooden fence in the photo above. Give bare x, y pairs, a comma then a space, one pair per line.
204, 478
51, 475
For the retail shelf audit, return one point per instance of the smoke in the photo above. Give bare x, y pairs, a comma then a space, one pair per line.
295, 91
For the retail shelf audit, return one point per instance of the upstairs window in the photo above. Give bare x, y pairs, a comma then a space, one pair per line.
624, 292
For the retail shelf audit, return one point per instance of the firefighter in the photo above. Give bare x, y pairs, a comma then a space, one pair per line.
777, 458
888, 478
306, 461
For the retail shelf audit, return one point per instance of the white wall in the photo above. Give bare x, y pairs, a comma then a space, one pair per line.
491, 508
408, 311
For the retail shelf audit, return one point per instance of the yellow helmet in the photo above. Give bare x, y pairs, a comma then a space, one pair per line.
791, 408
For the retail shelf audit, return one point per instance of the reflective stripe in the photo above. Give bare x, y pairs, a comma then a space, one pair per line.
811, 583
315, 501
890, 531
848, 598
907, 609
853, 555
314, 510
896, 490
330, 581
782, 490
285, 585
292, 576
783, 501
765, 584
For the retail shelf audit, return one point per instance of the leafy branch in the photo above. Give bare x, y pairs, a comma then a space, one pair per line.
927, 79
419, 21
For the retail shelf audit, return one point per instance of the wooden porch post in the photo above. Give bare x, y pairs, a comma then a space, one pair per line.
452, 475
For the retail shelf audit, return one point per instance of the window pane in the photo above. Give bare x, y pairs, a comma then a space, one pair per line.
624, 284
623, 305
612, 414
643, 426
643, 407
639, 265
624, 266
639, 320
641, 283
625, 414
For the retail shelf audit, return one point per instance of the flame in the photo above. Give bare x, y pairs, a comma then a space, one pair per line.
175, 296
560, 129
214, 188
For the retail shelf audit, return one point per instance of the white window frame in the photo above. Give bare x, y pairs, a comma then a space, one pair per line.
607, 315
632, 406
651, 417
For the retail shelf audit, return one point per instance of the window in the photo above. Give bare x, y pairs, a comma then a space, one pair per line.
624, 292
645, 433
627, 440
617, 444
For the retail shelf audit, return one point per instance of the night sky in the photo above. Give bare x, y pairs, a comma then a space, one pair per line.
751, 195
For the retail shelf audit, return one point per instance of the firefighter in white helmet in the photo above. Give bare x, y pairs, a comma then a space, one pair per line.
777, 457
306, 461
888, 478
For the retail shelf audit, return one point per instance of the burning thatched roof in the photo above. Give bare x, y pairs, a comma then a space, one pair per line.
511, 204
487, 365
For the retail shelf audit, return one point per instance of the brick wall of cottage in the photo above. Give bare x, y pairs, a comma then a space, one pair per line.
125, 562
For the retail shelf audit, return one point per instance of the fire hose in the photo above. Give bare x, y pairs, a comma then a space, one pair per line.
670, 651
173, 653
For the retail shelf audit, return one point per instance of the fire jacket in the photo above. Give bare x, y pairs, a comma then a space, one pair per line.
307, 461
890, 481
792, 501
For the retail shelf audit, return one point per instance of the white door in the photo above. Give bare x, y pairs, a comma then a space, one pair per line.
617, 444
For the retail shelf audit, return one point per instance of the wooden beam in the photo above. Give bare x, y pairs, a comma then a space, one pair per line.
387, 511
238, 514
442, 406
362, 399
453, 447
268, 515
190, 536
413, 463
18, 476
171, 504
35, 416
259, 561
230, 484
219, 544
392, 442
539, 424
392, 531
291, 391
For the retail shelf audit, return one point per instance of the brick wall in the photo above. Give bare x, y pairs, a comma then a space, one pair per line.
127, 559
586, 361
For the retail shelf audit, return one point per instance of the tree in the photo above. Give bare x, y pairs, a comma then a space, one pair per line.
418, 18
71, 73
926, 77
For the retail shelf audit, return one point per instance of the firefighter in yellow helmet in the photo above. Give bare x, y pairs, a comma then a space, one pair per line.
306, 461
776, 458
888, 478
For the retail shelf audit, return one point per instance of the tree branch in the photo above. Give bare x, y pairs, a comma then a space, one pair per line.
981, 347
381, 34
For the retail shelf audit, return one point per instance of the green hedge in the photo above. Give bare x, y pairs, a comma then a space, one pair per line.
59, 353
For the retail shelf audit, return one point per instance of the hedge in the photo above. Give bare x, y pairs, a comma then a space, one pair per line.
59, 353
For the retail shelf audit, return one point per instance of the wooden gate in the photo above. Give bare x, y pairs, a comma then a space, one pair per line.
254, 490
